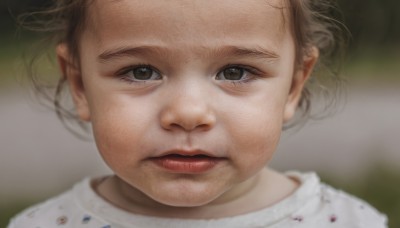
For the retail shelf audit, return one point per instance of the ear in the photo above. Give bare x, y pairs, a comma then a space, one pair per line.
300, 76
72, 73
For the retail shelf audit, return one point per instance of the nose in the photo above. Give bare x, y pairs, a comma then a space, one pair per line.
187, 113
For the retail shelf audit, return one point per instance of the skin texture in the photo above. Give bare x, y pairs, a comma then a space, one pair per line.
189, 104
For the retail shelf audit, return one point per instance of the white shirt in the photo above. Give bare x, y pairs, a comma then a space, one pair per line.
312, 205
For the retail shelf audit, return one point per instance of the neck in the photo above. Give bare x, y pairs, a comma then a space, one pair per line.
261, 191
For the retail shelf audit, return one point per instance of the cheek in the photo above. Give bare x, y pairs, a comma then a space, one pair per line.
258, 135
119, 124
255, 130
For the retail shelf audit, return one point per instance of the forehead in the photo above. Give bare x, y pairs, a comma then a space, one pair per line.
182, 21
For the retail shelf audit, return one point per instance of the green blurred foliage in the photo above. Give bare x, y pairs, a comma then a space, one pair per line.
372, 22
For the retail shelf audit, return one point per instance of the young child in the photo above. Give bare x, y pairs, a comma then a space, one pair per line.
187, 100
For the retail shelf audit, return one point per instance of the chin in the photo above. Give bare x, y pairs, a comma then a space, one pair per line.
178, 201
186, 197
185, 203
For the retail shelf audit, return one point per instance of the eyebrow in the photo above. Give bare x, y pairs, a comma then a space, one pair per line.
127, 51
254, 52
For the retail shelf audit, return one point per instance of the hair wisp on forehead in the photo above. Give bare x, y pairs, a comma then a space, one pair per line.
312, 25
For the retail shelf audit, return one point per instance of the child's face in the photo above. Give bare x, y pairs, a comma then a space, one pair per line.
162, 80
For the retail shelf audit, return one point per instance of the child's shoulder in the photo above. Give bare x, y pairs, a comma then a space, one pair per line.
64, 210
49, 213
327, 205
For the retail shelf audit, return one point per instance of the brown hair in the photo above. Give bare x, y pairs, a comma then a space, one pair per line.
312, 22
316, 23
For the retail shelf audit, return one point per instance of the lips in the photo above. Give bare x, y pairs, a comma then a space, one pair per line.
187, 162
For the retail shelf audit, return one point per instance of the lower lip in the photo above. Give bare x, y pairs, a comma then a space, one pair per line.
188, 165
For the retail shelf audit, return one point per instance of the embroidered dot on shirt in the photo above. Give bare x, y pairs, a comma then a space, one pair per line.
298, 218
62, 220
333, 218
86, 219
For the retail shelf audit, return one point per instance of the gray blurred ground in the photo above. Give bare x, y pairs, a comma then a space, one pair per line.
40, 158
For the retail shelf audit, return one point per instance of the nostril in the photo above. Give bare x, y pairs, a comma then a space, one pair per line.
187, 125
204, 127
188, 128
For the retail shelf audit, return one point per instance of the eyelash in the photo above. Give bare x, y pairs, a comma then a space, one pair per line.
254, 74
122, 74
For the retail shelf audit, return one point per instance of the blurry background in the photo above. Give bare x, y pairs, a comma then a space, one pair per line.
356, 149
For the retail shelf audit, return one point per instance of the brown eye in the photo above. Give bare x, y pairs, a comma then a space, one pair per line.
232, 74
140, 73
144, 73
